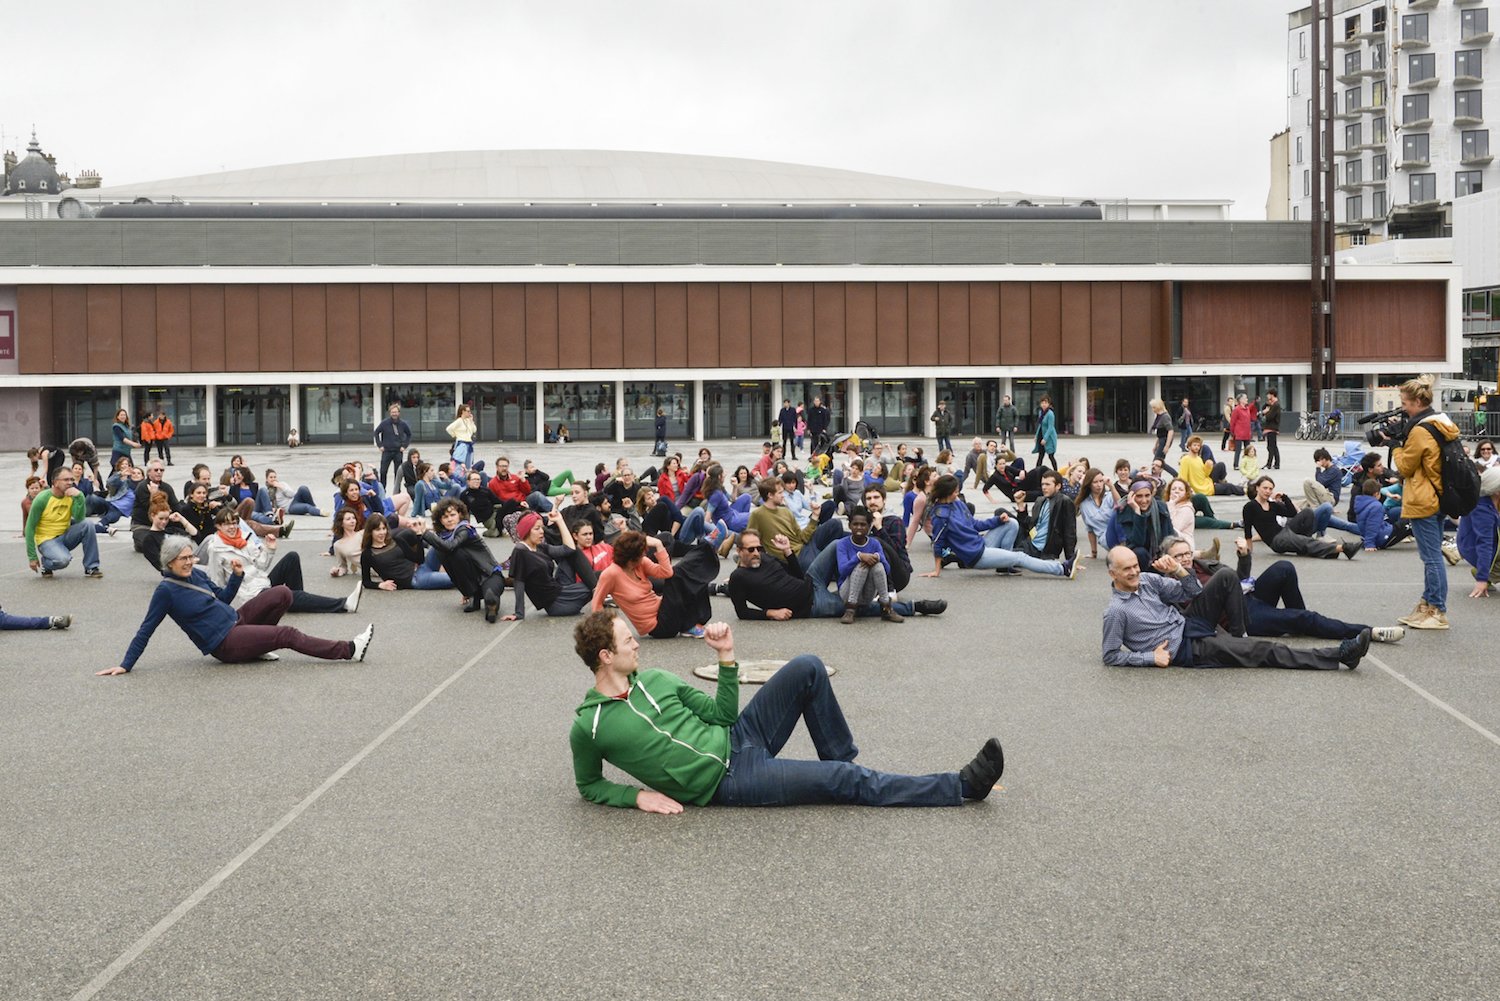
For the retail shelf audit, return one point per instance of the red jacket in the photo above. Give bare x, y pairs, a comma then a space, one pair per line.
1239, 422
512, 488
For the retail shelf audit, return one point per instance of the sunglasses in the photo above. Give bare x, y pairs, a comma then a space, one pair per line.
753, 549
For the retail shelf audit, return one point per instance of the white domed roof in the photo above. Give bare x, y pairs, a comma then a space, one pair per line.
540, 176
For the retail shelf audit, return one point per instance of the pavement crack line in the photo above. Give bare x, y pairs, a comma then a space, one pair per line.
1445, 707
179, 912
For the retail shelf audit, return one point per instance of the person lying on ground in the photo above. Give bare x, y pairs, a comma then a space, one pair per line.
779, 589
688, 747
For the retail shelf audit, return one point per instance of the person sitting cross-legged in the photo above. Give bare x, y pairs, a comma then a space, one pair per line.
689, 747
204, 611
1143, 626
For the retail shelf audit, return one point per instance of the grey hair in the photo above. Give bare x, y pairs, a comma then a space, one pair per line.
1168, 543
173, 546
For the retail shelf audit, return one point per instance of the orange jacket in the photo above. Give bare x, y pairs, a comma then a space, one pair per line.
148, 431
164, 428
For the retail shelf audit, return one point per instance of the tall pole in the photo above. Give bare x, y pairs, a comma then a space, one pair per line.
1330, 178
1320, 341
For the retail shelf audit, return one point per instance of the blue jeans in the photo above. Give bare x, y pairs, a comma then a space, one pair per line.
23, 621
538, 501
998, 552
56, 553
430, 576
463, 453
1325, 519
695, 526
828, 533
1429, 533
827, 604
756, 777
302, 503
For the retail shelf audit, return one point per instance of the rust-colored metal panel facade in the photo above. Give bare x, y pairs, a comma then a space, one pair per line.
105, 333
111, 330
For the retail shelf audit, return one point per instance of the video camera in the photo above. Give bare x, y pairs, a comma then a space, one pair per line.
1390, 428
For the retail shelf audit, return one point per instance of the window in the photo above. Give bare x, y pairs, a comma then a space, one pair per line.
1469, 62
1468, 182
1354, 208
1296, 81
1414, 108
1468, 104
1351, 136
1296, 213
1473, 22
1377, 167
1302, 45
1351, 62
1414, 147
1377, 94
1299, 149
1476, 143
1309, 111
1377, 19
1306, 183
1351, 26
1377, 129
1351, 99
1377, 204
1353, 171
1423, 188
1414, 28
1377, 56
1420, 66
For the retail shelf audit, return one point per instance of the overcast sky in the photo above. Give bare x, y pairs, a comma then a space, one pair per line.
1148, 99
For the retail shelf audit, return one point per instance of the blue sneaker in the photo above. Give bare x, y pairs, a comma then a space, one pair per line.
694, 633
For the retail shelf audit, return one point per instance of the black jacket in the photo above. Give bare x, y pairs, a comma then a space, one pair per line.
466, 558
773, 584
1062, 527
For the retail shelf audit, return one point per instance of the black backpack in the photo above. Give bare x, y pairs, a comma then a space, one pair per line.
1459, 494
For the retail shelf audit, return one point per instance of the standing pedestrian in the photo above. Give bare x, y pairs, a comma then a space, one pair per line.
661, 433
1007, 423
1419, 461
1240, 425
1046, 433
817, 424
1185, 424
1271, 428
462, 431
122, 443
392, 436
942, 424
1226, 417
1161, 426
786, 418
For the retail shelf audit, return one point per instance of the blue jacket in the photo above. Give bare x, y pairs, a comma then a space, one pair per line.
206, 618
955, 531
1332, 480
1373, 527
1046, 431
848, 555
1477, 539
1128, 527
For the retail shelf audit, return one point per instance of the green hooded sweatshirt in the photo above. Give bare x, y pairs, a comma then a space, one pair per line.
664, 733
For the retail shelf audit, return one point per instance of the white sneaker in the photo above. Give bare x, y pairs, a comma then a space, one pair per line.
351, 603
270, 656
1387, 634
362, 642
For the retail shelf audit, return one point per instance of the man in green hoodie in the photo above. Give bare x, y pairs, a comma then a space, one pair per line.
690, 748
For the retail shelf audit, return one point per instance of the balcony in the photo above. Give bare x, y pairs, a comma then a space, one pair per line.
1349, 42
1413, 164
1479, 38
1413, 44
1477, 160
1468, 81
1352, 187
1426, 83
1421, 4
1349, 115
1375, 72
1354, 77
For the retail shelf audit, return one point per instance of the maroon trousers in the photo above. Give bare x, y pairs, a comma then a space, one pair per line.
257, 632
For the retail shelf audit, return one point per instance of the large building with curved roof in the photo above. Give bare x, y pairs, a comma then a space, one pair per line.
589, 288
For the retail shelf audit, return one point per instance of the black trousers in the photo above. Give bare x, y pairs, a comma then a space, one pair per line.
1223, 650
1221, 598
390, 457
1273, 450
288, 571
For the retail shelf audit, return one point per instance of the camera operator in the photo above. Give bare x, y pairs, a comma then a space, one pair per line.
1417, 459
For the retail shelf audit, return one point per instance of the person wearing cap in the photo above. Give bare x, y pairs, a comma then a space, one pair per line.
1479, 534
1144, 627
688, 747
190, 598
559, 580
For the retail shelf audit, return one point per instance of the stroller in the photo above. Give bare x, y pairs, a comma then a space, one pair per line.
1348, 462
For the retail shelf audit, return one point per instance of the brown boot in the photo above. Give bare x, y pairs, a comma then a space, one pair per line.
1418, 613
889, 614
1213, 550
850, 611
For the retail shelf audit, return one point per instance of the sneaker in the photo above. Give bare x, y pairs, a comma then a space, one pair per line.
46, 572
695, 633
934, 606
94, 574
1212, 552
1351, 650
1450, 553
1350, 548
1420, 612
112, 528
351, 603
362, 642
718, 589
59, 622
979, 776
1071, 568
1435, 619
726, 545
1388, 634
285, 529
270, 655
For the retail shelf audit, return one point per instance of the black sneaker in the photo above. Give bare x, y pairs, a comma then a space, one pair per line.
718, 589
94, 574
1352, 650
46, 573
980, 775
1350, 548
1008, 571
933, 606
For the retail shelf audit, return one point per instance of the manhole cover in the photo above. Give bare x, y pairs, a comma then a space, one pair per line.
752, 672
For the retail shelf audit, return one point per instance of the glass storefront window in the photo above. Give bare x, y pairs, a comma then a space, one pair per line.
737, 409
1025, 394
504, 411
187, 407
334, 414
253, 415
1118, 406
641, 402
86, 412
973, 403
1202, 392
893, 406
428, 407
831, 391
586, 409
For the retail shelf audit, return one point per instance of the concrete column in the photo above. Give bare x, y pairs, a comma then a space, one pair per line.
211, 416
619, 410
929, 403
698, 416
294, 408
125, 401
1081, 405
541, 411
853, 398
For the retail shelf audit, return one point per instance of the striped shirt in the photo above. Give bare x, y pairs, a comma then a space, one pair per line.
1137, 622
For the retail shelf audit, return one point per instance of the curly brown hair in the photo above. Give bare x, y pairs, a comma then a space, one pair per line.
595, 633
629, 548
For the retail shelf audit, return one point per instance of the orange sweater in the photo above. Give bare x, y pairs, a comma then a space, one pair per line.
633, 591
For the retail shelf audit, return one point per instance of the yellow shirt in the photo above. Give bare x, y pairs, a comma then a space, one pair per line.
1197, 474
57, 516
